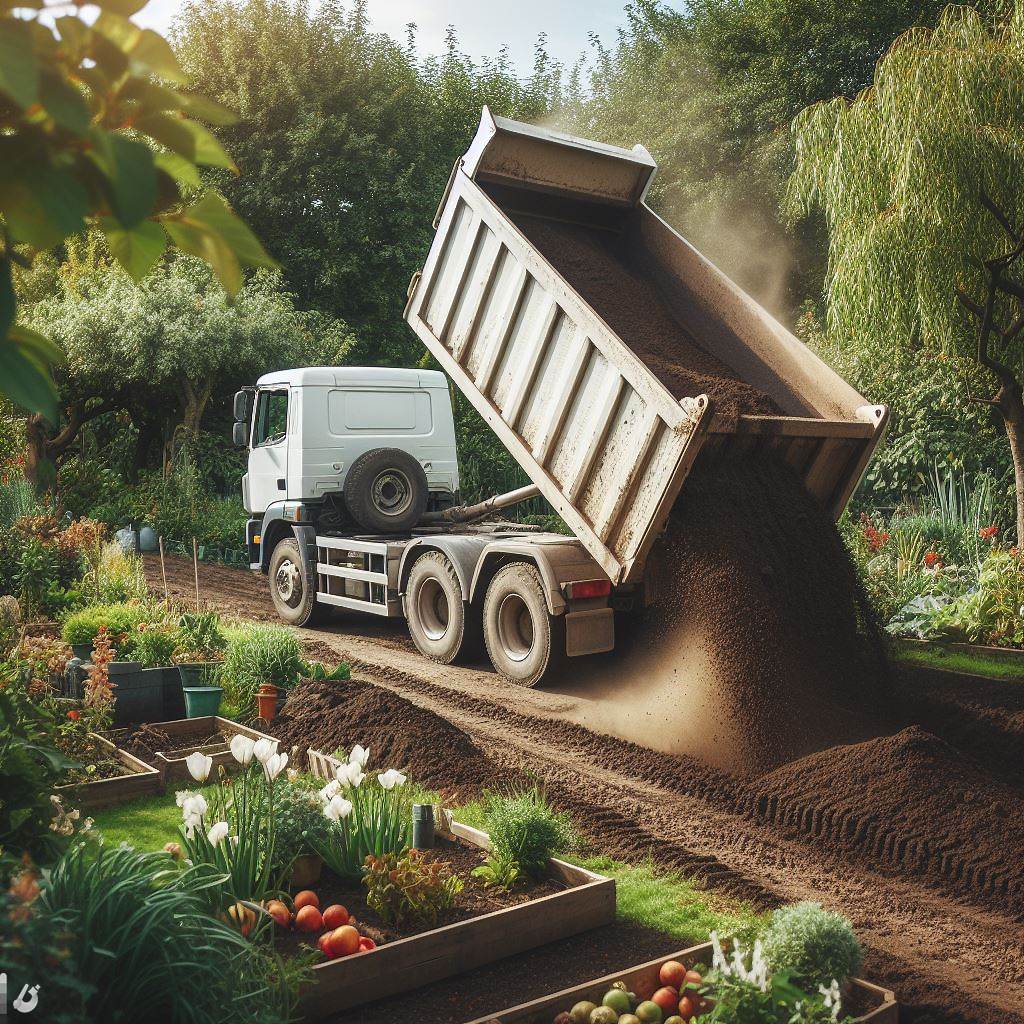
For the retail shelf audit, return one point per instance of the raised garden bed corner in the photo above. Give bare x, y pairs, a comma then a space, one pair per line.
144, 780
174, 769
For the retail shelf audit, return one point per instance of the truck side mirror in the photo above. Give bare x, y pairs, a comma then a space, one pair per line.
243, 405
240, 434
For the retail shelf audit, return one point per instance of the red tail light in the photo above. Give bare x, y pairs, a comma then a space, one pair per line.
589, 588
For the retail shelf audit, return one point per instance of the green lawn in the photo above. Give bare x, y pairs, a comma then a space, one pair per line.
956, 661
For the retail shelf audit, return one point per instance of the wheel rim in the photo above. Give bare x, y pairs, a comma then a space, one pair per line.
432, 609
515, 627
288, 583
392, 492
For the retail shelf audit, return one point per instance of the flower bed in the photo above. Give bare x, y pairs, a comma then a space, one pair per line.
868, 1002
137, 779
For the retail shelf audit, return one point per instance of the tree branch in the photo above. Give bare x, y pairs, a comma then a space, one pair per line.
78, 415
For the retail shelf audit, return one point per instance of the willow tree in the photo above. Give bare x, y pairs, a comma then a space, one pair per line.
909, 175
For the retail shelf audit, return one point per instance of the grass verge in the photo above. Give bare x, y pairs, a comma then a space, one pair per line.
956, 661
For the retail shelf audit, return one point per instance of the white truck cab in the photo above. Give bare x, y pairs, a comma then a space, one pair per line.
309, 426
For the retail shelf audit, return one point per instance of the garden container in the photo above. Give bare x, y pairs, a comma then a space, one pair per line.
138, 692
305, 871
82, 651
266, 700
148, 539
202, 701
172, 762
197, 673
174, 697
141, 780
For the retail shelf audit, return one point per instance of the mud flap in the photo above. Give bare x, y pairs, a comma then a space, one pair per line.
589, 632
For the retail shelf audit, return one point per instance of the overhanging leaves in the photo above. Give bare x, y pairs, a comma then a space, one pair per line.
138, 249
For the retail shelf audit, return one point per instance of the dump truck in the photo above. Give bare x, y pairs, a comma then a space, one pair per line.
607, 355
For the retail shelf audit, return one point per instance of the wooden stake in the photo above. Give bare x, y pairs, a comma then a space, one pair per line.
195, 568
163, 572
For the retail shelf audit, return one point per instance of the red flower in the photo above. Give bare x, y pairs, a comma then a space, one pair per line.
932, 559
988, 532
74, 715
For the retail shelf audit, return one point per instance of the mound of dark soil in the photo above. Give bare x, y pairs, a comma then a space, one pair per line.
600, 268
329, 715
910, 800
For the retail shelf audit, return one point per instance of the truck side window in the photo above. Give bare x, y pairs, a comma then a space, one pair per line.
271, 418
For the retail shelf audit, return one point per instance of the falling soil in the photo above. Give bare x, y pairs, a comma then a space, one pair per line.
602, 270
327, 715
896, 798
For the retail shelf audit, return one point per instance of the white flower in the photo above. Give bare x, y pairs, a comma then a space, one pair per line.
264, 749
391, 778
274, 765
718, 960
337, 808
359, 756
832, 998
242, 748
331, 789
350, 775
199, 765
192, 803
217, 833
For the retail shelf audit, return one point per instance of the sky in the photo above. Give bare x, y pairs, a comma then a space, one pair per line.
482, 26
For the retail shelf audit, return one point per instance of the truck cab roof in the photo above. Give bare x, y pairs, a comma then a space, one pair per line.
355, 376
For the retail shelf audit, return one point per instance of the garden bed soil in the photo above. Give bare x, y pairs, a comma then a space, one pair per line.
210, 734
329, 715
125, 777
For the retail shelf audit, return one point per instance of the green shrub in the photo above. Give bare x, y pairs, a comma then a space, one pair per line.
117, 576
299, 823
200, 638
154, 646
257, 655
525, 828
81, 627
814, 945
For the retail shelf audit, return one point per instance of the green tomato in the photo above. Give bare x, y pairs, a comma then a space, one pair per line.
617, 1000
580, 1013
649, 1013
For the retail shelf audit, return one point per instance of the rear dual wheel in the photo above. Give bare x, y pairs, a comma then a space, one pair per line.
442, 624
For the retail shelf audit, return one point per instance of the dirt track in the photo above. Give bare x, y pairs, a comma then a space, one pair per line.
947, 939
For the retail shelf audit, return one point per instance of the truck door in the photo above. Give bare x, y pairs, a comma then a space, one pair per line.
268, 458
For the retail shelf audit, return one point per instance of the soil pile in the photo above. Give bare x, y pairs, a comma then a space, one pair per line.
754, 652
601, 269
329, 715
910, 800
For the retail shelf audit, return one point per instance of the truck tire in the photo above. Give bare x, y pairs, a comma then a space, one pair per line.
294, 602
524, 641
442, 625
386, 491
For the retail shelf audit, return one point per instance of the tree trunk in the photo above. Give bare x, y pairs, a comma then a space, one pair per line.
36, 469
1013, 419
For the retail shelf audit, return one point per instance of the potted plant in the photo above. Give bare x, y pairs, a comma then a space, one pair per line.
300, 821
198, 656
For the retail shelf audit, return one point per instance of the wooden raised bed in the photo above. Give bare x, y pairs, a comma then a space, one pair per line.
587, 902
173, 769
143, 780
644, 980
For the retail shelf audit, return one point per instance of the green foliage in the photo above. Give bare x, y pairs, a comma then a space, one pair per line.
200, 638
154, 646
525, 828
814, 945
116, 576
36, 576
498, 871
90, 138
195, 967
410, 888
82, 627
257, 655
300, 826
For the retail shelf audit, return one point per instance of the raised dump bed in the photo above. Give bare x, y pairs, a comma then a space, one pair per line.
605, 352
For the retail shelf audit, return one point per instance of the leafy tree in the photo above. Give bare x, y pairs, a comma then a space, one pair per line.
897, 173
175, 339
89, 135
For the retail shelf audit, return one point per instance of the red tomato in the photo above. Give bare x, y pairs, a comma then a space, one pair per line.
308, 919
280, 913
366, 944
672, 974
343, 941
306, 898
322, 944
687, 1009
666, 998
693, 978
335, 916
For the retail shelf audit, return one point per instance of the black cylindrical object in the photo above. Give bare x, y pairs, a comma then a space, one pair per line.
423, 826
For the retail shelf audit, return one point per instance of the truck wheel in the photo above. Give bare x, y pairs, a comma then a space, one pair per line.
441, 624
294, 602
523, 640
386, 491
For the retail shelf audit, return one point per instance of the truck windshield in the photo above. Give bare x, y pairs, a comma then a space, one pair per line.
271, 418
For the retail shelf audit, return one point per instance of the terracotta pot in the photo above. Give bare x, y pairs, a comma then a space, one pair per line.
266, 700
306, 870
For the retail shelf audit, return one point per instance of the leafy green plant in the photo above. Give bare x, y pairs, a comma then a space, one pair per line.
369, 816
300, 825
37, 573
257, 655
200, 638
120, 620
153, 645
498, 871
525, 828
116, 576
192, 966
410, 888
814, 945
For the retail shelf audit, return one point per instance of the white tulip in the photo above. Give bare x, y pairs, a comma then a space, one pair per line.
338, 808
350, 775
194, 803
331, 789
274, 765
264, 750
391, 778
217, 833
199, 765
242, 748
359, 756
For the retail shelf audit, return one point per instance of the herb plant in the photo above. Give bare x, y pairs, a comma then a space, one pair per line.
524, 828
814, 945
410, 888
498, 871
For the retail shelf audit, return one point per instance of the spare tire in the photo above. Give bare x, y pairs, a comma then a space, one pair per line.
386, 491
